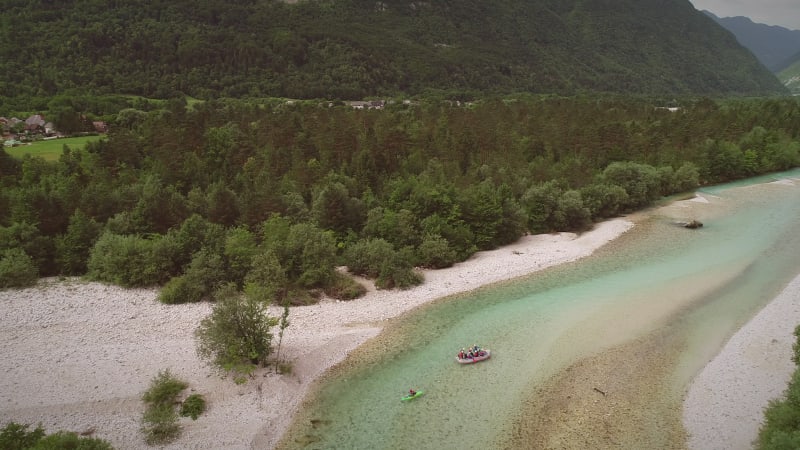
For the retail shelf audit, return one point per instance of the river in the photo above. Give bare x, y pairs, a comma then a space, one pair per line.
595, 354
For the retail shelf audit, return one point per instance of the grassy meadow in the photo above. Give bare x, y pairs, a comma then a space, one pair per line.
51, 149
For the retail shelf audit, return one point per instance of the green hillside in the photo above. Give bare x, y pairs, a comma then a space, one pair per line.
353, 49
790, 76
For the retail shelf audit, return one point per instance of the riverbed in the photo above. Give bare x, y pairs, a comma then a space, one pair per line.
597, 353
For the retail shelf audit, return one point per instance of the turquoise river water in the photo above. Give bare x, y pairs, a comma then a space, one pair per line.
705, 283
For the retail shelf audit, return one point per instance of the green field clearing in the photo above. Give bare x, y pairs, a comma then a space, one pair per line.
51, 149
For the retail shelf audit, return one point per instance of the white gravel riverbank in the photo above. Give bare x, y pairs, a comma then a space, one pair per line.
77, 356
723, 408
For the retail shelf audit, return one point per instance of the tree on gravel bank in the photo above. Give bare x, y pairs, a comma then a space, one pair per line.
236, 336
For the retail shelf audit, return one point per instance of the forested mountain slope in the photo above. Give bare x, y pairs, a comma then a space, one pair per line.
351, 49
790, 76
774, 46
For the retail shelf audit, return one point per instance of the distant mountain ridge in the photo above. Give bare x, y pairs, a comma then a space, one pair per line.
776, 47
352, 49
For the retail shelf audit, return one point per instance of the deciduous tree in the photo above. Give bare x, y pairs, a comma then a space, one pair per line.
236, 336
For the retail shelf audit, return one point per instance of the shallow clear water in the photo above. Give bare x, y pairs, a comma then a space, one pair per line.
707, 282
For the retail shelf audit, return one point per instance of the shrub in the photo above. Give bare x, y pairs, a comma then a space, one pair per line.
27, 237
397, 271
302, 297
344, 288
779, 430
160, 421
164, 389
376, 258
15, 436
397, 227
367, 256
180, 290
640, 181
160, 424
203, 274
603, 200
132, 260
571, 213
541, 203
284, 368
70, 440
458, 235
796, 346
397, 277
17, 269
193, 406
194, 234
686, 178
435, 253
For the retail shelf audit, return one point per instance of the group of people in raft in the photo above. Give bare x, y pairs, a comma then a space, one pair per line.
471, 352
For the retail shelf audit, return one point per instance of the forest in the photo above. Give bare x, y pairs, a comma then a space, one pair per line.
276, 197
354, 49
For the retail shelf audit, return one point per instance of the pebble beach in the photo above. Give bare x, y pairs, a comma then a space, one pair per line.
77, 355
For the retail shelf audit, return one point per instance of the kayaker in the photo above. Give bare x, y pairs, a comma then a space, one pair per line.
412, 392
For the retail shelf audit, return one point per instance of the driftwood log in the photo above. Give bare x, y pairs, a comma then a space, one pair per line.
598, 390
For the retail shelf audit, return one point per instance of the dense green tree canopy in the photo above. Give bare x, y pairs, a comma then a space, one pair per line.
352, 49
274, 197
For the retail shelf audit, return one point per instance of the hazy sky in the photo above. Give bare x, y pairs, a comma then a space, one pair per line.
785, 13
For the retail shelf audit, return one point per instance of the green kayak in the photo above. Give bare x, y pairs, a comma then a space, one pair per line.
411, 397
